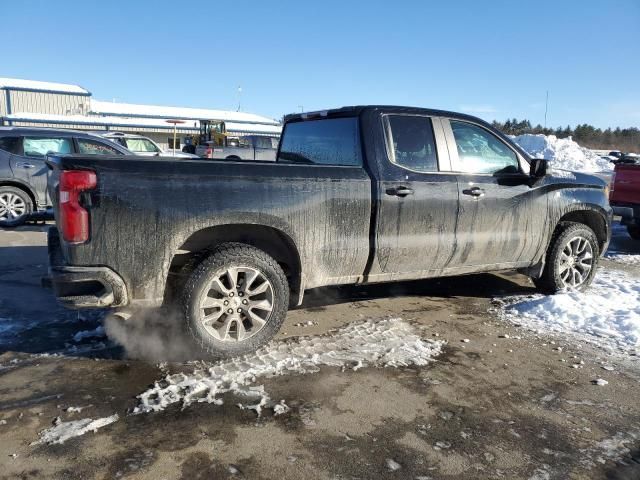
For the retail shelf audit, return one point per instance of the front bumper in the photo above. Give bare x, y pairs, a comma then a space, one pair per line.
83, 287
629, 215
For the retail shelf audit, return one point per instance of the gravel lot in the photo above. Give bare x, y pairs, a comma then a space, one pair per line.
500, 401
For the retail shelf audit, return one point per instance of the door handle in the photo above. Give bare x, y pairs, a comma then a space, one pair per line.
474, 192
400, 191
25, 165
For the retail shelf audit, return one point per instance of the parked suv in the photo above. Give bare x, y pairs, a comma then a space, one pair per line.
23, 173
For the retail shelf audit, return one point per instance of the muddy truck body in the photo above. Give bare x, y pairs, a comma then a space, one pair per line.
356, 195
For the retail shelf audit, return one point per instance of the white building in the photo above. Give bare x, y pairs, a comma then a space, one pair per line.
57, 105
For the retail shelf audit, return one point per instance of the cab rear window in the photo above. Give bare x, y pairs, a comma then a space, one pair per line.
331, 141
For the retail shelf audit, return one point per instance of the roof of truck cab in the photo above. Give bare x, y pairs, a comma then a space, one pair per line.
358, 109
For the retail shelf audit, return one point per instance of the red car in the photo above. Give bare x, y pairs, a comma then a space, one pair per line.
625, 196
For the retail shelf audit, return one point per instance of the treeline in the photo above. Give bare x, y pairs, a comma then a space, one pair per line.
624, 139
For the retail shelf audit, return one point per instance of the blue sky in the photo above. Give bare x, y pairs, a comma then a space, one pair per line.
494, 59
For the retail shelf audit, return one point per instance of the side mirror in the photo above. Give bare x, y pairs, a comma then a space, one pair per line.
539, 167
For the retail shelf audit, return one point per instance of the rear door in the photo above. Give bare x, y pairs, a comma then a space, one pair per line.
29, 166
502, 217
418, 197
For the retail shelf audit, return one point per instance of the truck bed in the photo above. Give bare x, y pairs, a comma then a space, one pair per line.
147, 209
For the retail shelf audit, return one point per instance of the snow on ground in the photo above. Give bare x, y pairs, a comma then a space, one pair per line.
63, 431
617, 250
606, 314
381, 343
563, 153
96, 332
626, 258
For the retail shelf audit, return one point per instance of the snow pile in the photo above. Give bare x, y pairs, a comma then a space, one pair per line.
563, 153
63, 431
607, 314
384, 343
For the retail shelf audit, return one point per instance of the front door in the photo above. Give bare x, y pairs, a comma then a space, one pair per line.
501, 218
418, 197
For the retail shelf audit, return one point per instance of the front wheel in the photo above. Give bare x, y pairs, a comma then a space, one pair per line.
236, 300
571, 259
634, 231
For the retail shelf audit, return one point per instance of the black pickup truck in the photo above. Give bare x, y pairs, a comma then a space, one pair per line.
356, 195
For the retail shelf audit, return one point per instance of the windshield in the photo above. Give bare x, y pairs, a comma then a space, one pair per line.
141, 145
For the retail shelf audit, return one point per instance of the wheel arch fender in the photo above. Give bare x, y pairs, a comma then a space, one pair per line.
271, 237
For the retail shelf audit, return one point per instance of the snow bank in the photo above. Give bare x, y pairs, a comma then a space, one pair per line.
66, 430
383, 343
607, 314
563, 153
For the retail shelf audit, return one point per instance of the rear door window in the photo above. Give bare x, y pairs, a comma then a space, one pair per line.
92, 147
412, 143
41, 146
332, 141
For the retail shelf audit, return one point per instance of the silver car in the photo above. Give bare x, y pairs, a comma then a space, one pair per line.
144, 146
250, 147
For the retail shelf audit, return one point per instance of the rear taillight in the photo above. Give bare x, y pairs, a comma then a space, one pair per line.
209, 153
74, 218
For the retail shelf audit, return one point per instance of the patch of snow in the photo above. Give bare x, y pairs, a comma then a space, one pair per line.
281, 408
63, 431
562, 153
381, 343
392, 465
96, 332
606, 314
626, 258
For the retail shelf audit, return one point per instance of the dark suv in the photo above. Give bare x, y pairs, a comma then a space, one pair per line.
23, 172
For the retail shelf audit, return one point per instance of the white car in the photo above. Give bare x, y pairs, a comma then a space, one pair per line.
143, 146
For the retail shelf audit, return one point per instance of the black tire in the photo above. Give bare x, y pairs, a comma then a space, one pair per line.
13, 192
634, 231
198, 287
235, 158
551, 280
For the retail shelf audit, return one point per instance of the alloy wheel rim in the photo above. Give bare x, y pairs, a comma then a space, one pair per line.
12, 206
237, 304
575, 262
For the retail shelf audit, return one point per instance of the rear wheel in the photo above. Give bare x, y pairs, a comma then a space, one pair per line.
634, 231
235, 300
15, 206
571, 260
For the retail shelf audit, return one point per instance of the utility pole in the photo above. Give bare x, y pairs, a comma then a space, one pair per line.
239, 97
546, 108
301, 107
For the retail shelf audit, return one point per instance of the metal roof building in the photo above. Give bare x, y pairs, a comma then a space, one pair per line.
58, 105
